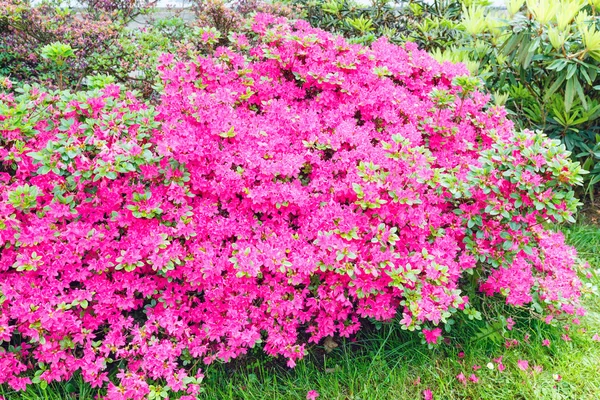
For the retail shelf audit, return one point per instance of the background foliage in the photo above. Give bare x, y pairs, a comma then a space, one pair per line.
539, 58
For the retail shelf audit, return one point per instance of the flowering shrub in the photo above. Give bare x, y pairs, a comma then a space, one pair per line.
284, 188
25, 29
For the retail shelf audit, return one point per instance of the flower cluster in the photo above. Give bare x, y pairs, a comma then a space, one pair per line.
283, 189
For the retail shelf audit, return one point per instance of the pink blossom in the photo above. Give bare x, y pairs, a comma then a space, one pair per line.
431, 336
427, 394
509, 323
312, 395
523, 365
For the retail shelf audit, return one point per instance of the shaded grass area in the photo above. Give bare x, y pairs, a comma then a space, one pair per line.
384, 362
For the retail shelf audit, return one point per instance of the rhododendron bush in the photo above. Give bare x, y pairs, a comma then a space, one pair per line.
284, 188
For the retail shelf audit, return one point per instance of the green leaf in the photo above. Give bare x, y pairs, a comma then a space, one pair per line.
557, 65
552, 89
528, 250
571, 70
595, 180
358, 190
579, 91
43, 170
229, 134
586, 76
569, 93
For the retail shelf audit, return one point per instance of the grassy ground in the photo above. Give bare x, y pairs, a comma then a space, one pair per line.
387, 363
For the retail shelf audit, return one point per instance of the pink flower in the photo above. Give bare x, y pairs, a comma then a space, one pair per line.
476, 367
473, 378
462, 378
596, 337
312, 395
427, 394
431, 336
566, 337
537, 368
546, 342
523, 365
509, 323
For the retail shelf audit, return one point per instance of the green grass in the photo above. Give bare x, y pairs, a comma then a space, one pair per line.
387, 363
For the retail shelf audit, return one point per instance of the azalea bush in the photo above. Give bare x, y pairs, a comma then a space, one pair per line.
283, 190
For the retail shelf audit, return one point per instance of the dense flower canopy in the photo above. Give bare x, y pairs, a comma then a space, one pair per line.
288, 185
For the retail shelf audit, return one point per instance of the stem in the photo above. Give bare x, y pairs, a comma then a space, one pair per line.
579, 54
